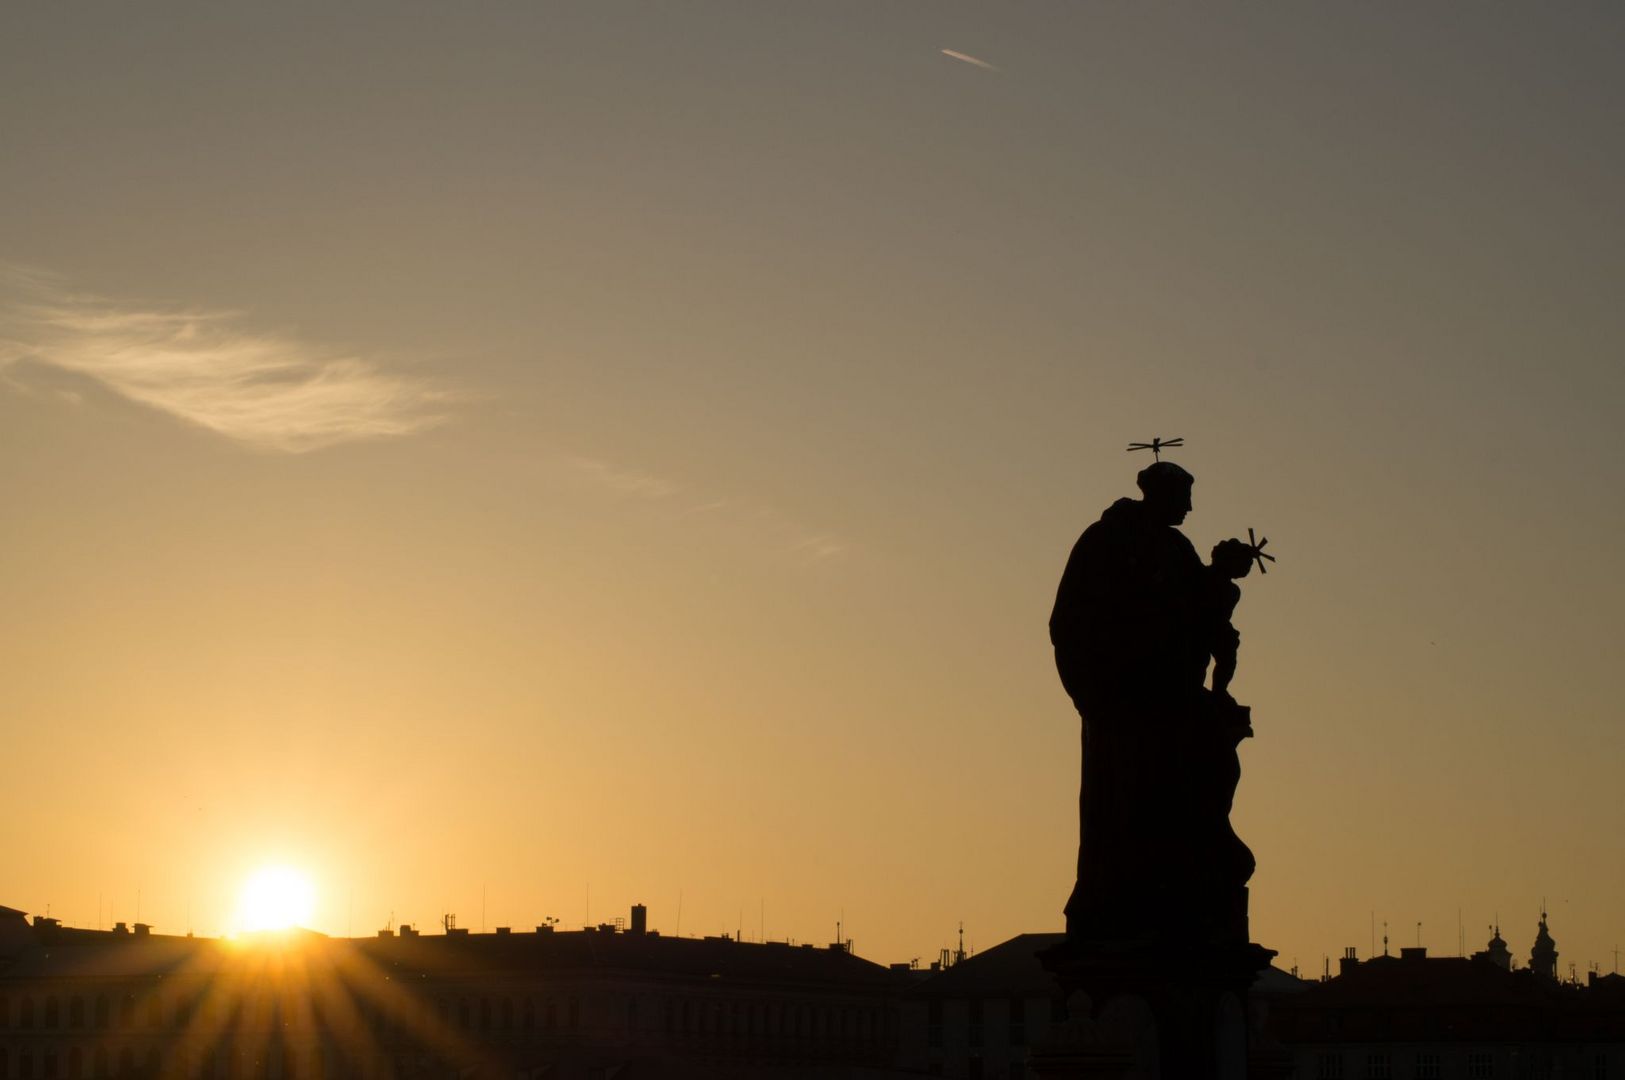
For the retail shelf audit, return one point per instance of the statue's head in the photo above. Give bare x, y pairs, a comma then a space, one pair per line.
1167, 491
1233, 558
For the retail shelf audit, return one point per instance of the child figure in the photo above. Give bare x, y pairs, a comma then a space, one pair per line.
1232, 560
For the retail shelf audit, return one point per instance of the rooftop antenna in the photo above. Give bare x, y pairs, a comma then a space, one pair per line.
679, 931
1616, 959
483, 889
1385, 937
1156, 446
1418, 933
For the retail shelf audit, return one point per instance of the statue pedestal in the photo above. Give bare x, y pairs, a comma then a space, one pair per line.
1167, 1009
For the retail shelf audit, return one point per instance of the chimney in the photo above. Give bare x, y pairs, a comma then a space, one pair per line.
121, 928
1350, 960
640, 919
1413, 952
142, 929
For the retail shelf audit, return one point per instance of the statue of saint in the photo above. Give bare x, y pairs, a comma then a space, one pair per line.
1137, 618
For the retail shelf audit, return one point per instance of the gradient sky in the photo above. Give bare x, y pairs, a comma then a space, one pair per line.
541, 455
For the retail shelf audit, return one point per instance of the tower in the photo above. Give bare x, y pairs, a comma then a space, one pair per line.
1543, 957
1497, 952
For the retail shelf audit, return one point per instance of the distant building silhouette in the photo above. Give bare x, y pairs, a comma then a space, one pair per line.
1496, 952
1436, 1017
978, 1017
561, 1005
603, 1002
1543, 957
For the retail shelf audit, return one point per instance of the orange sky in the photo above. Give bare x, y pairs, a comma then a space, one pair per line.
550, 457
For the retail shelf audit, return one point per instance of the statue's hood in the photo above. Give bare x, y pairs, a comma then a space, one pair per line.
1124, 512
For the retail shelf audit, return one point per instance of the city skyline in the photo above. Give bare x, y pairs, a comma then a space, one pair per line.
478, 457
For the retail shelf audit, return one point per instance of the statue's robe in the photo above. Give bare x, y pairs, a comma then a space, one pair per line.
1130, 637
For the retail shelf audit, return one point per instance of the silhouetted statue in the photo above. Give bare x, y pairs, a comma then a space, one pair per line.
1136, 619
1232, 561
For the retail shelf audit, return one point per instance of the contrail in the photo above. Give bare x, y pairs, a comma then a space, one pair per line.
967, 58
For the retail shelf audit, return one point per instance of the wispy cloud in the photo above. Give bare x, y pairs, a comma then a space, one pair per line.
619, 479
761, 524
954, 54
204, 367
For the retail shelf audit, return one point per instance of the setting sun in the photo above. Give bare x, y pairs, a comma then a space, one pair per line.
275, 898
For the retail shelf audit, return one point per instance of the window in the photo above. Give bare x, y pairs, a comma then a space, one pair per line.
101, 1011
126, 1011
25, 1066
973, 1009
1329, 1067
530, 1014
155, 1012
25, 1015
507, 1014
1379, 1067
53, 1013
1428, 1067
1599, 1067
1480, 1066
933, 1022
1018, 1070
575, 1013
5, 1016
462, 1013
49, 1061
76, 1063
76, 1012
1018, 1022
485, 1014
99, 1063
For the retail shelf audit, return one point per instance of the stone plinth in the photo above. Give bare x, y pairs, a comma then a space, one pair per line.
1151, 1010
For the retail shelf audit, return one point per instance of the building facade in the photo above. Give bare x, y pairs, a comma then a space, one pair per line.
603, 1002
